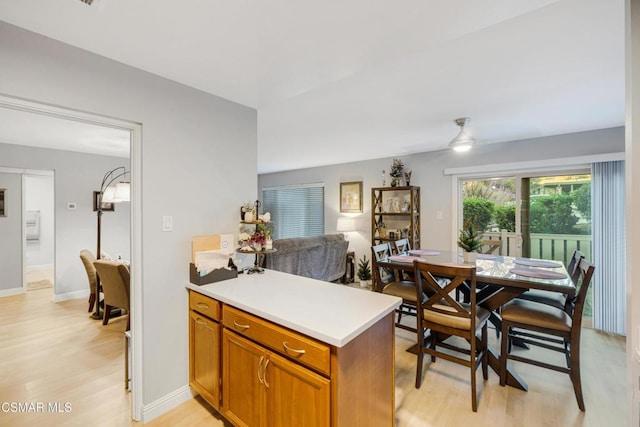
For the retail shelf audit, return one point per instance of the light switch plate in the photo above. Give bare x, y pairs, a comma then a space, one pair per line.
167, 223
72, 206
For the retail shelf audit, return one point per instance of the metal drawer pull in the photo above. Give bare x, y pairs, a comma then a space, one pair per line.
292, 350
202, 305
240, 325
201, 322
264, 373
259, 367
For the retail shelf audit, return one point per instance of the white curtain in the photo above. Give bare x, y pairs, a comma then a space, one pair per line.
609, 256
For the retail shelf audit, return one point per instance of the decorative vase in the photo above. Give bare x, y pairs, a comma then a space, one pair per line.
268, 244
469, 257
364, 283
394, 182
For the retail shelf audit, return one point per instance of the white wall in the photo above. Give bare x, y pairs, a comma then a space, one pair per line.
632, 181
436, 189
38, 196
11, 234
198, 165
77, 175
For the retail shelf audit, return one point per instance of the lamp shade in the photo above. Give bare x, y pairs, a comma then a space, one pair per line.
123, 192
463, 141
107, 196
346, 224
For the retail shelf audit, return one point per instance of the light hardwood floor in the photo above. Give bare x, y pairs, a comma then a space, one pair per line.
56, 353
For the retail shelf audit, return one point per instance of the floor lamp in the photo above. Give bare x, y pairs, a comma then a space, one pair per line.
121, 192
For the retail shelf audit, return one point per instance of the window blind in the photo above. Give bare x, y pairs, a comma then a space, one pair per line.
296, 211
609, 254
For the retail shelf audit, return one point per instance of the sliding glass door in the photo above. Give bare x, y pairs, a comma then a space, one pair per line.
542, 215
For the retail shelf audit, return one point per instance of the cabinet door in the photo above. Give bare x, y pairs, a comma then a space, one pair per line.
242, 363
204, 357
295, 396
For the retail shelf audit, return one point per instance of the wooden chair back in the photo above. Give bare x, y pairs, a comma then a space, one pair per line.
382, 275
402, 246
584, 273
572, 268
490, 246
440, 293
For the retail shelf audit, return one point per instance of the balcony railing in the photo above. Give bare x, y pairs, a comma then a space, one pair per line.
557, 247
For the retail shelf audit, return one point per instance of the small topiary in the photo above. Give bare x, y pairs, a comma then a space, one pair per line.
364, 269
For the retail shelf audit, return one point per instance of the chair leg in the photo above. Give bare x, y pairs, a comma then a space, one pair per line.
485, 355
432, 345
107, 313
575, 376
420, 357
473, 358
92, 301
504, 352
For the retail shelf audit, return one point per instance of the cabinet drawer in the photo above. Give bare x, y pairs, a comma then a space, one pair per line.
204, 305
298, 347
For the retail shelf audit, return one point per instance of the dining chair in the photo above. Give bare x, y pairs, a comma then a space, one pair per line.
87, 260
402, 246
115, 280
490, 246
556, 299
388, 283
445, 317
548, 327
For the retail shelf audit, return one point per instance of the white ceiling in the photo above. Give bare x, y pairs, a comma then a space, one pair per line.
337, 81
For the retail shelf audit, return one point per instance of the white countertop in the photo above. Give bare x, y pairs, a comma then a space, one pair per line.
331, 313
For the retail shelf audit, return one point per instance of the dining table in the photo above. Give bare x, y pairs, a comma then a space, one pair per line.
499, 279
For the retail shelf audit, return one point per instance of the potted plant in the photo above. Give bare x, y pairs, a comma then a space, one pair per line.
267, 230
469, 241
364, 271
396, 173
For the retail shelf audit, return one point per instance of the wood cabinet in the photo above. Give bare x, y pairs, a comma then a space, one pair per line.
274, 376
395, 214
261, 388
204, 347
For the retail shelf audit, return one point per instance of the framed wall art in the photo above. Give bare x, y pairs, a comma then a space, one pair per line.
351, 197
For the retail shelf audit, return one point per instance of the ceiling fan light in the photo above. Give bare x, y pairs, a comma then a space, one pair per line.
462, 142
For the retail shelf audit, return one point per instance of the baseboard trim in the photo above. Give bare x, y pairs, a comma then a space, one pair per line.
166, 403
71, 295
11, 292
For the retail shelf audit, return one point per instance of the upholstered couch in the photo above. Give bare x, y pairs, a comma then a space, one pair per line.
321, 257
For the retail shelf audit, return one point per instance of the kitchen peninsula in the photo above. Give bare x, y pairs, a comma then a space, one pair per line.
278, 349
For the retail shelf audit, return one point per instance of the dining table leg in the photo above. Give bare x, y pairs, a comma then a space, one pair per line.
513, 379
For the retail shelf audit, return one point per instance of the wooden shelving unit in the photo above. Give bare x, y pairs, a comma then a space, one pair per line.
398, 208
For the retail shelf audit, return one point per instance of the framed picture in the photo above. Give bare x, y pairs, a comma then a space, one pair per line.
351, 197
3, 211
106, 206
